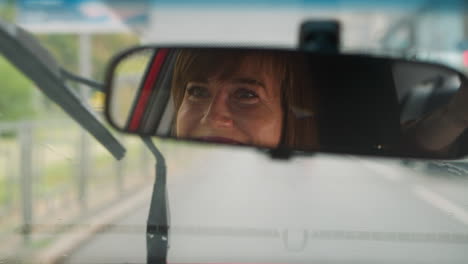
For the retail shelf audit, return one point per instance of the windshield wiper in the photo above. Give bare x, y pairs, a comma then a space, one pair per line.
76, 78
157, 228
24, 51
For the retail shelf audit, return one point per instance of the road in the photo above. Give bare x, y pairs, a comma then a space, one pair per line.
124, 242
319, 209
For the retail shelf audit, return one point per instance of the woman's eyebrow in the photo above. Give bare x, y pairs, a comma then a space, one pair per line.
197, 83
248, 81
252, 81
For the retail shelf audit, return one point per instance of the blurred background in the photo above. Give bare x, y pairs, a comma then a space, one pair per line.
54, 176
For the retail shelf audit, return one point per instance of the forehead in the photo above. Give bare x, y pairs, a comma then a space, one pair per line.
251, 67
225, 64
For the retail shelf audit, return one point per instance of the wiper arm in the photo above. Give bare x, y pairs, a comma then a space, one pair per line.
157, 229
24, 51
76, 78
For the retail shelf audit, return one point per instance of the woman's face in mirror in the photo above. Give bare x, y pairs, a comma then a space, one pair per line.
243, 108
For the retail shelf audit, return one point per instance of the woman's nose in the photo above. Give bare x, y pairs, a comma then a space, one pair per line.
218, 113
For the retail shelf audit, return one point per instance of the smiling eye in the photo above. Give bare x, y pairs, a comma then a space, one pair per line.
245, 94
196, 91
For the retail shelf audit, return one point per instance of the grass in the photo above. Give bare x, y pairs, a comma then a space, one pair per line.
55, 145
56, 174
7, 152
6, 193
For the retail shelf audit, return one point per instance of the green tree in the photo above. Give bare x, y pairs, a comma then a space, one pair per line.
16, 93
64, 48
107, 45
7, 10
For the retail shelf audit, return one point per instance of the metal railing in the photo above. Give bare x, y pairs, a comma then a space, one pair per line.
53, 170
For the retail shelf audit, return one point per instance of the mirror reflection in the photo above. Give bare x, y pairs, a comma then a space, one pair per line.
297, 100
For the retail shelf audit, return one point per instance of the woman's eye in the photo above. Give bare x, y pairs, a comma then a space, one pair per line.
246, 95
198, 92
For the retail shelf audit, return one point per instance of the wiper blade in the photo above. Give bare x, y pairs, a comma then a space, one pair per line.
157, 229
24, 51
73, 77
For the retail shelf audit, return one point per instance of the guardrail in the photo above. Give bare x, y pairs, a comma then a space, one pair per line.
54, 170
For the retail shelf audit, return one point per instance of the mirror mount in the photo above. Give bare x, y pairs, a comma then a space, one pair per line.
320, 36
280, 153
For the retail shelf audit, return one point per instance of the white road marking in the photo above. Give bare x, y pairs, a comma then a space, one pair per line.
421, 192
71, 239
383, 170
441, 203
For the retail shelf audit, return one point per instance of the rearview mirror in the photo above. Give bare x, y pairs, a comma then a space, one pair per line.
292, 100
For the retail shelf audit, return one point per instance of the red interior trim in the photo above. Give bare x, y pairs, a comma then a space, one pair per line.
148, 86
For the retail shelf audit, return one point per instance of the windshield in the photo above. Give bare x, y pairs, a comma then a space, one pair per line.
64, 197
402, 28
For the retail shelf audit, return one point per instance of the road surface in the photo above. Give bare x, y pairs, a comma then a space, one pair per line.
123, 242
240, 207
